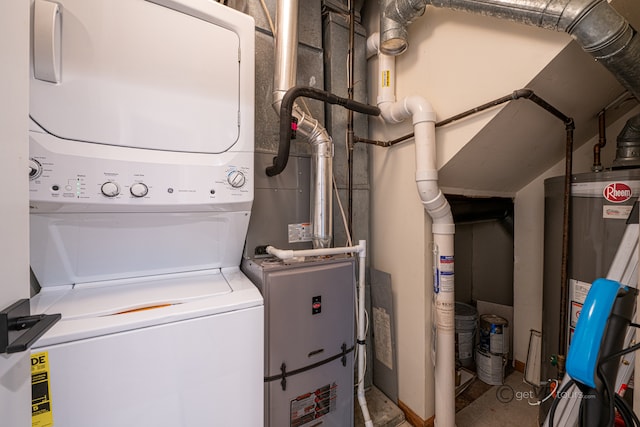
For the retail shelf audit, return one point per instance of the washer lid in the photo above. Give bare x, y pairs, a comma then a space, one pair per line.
136, 74
93, 310
119, 297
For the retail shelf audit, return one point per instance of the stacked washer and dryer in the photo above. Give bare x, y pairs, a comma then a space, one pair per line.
142, 164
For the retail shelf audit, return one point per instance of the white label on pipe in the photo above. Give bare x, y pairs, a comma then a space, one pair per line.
445, 315
445, 274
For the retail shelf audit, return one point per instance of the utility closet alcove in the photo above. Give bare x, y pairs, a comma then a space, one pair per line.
484, 253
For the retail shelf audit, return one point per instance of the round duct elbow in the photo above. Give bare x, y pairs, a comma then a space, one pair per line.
628, 145
393, 41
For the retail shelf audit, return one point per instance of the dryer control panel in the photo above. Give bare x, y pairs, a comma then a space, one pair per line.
89, 177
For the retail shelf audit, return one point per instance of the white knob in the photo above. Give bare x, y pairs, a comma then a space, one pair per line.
139, 189
236, 179
110, 189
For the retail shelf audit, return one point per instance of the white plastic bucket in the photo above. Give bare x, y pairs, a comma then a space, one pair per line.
466, 317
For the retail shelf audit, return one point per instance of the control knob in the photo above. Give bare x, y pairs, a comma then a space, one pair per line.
110, 189
236, 179
35, 169
139, 189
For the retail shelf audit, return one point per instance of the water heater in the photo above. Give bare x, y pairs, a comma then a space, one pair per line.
600, 215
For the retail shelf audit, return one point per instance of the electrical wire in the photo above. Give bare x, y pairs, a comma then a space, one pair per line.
560, 395
344, 218
266, 12
615, 400
608, 389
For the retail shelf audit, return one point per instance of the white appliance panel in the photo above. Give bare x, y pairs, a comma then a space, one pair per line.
198, 372
138, 74
141, 173
93, 310
71, 176
77, 248
125, 297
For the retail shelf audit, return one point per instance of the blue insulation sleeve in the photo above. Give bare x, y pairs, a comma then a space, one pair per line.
585, 345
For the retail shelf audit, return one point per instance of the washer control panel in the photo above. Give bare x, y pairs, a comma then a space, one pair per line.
90, 174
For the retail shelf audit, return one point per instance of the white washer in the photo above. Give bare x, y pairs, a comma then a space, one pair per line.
141, 155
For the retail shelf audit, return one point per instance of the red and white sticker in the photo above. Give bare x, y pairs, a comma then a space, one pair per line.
617, 192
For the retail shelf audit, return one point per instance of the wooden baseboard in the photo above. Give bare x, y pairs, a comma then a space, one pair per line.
413, 418
519, 366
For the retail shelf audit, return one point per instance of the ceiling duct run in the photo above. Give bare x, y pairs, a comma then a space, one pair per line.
594, 24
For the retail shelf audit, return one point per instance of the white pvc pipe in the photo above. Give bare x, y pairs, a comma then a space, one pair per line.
443, 229
361, 249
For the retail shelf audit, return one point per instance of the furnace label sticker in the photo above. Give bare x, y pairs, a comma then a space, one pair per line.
300, 232
41, 414
312, 406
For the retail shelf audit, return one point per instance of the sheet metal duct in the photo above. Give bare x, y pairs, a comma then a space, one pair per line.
308, 127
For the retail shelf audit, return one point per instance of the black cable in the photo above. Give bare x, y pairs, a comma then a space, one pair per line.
625, 412
621, 353
608, 389
624, 406
612, 402
559, 396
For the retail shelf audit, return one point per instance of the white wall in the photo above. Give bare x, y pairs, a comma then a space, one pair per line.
15, 384
456, 61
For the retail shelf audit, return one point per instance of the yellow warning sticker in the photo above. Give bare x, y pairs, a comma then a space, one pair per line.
41, 415
386, 78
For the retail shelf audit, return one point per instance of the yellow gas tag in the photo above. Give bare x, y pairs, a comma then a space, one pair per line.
41, 415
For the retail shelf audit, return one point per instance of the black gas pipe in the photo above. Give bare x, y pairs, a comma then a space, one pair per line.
569, 127
286, 108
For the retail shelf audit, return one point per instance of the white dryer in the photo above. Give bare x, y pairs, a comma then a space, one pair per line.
141, 156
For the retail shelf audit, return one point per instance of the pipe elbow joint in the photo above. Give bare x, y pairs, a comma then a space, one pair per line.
420, 109
427, 183
280, 253
440, 212
373, 45
390, 112
362, 248
416, 107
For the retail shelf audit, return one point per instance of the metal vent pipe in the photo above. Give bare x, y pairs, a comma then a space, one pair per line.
286, 55
628, 145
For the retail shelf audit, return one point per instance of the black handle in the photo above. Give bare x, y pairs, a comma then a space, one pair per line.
19, 330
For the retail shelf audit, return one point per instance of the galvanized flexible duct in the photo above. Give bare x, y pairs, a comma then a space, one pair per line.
628, 145
595, 25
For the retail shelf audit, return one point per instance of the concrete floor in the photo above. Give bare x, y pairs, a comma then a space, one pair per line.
499, 406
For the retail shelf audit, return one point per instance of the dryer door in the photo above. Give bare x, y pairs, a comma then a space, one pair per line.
136, 73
